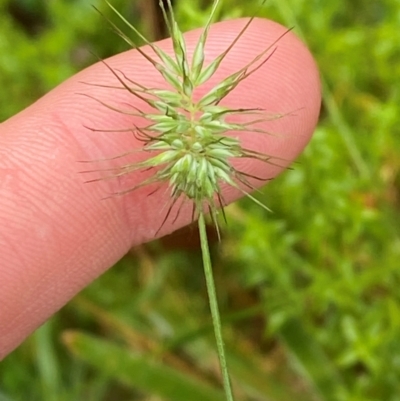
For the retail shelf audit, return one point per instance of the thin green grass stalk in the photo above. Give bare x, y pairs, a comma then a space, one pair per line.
212, 297
190, 142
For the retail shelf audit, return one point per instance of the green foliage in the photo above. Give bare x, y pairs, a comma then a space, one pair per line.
309, 293
40, 49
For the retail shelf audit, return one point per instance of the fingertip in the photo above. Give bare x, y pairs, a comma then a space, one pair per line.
287, 84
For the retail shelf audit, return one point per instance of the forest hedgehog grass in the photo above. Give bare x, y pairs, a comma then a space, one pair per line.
191, 141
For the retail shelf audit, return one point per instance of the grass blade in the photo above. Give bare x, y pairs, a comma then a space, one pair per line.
311, 360
137, 371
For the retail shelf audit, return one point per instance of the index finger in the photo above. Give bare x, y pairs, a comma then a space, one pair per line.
57, 235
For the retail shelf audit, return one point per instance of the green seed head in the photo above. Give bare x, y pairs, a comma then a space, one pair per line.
190, 141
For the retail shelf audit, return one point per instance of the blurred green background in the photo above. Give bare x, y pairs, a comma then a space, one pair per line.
310, 294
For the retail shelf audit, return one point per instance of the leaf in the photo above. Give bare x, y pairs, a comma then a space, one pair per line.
311, 359
139, 372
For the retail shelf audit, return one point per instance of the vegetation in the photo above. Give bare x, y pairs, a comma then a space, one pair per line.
308, 294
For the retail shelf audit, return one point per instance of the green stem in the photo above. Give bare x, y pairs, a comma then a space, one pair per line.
212, 297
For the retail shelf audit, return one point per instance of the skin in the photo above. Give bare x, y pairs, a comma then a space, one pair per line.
57, 234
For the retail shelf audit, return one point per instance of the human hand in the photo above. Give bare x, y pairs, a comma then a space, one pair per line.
57, 235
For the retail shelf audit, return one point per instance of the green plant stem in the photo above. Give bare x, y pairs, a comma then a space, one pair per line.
212, 297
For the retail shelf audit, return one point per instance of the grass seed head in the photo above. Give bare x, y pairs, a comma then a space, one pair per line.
189, 141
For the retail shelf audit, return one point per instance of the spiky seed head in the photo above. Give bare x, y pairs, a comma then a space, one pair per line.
192, 138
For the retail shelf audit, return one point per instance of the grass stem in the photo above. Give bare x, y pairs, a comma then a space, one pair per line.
212, 297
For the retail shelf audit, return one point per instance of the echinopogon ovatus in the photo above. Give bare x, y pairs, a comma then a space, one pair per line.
190, 140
